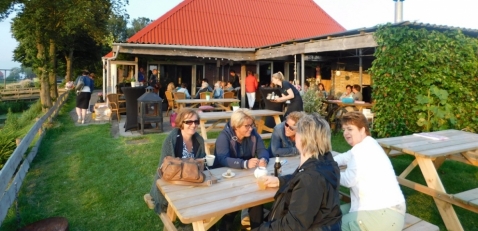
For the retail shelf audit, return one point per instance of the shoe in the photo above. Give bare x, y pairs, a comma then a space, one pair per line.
83, 122
149, 201
79, 120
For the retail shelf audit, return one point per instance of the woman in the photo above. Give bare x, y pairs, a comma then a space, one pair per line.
182, 142
171, 87
204, 88
289, 92
309, 198
251, 88
283, 136
83, 97
322, 90
377, 201
218, 92
237, 147
348, 92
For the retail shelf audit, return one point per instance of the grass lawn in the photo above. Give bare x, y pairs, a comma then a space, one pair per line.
98, 182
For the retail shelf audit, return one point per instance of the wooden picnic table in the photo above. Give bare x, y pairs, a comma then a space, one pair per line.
360, 106
225, 116
204, 206
430, 151
195, 102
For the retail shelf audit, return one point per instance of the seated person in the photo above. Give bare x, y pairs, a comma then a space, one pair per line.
321, 90
183, 88
283, 136
237, 147
377, 201
218, 92
308, 199
171, 87
357, 94
348, 92
204, 88
229, 86
182, 142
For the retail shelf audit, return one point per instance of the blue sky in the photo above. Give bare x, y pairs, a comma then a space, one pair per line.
351, 14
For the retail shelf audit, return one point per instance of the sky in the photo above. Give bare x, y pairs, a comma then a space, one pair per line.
351, 14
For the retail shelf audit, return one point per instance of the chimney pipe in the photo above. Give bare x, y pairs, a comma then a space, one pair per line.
398, 10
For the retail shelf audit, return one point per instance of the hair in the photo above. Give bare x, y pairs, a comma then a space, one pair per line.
170, 86
183, 114
348, 87
357, 87
184, 85
218, 84
321, 84
249, 72
295, 116
205, 80
239, 116
232, 71
278, 75
85, 72
314, 135
307, 84
355, 118
230, 82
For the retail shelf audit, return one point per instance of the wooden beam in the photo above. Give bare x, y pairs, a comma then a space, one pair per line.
230, 55
333, 44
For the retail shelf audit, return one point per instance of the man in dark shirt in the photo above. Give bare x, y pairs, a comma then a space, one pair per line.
235, 79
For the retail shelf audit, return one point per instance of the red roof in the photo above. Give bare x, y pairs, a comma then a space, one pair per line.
238, 23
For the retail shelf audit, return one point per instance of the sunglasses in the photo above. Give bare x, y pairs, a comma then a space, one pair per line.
189, 122
290, 127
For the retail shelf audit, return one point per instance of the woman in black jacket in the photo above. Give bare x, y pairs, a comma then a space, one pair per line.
309, 198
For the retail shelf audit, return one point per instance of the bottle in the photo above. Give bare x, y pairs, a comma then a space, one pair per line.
277, 167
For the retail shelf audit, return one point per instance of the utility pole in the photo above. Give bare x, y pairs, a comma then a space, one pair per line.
4, 78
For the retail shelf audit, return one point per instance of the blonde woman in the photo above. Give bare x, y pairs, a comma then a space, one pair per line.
309, 198
289, 92
237, 147
171, 87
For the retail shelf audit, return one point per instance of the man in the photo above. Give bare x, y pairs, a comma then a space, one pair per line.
251, 88
184, 88
153, 80
141, 75
357, 94
204, 88
235, 79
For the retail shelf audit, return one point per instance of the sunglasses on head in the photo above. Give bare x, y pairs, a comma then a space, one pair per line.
290, 127
189, 122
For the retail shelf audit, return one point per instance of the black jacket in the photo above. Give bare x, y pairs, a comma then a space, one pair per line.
308, 199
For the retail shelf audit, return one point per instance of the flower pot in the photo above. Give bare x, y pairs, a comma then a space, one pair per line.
208, 97
234, 108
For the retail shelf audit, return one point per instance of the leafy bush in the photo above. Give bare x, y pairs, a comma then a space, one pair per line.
312, 101
13, 106
27, 83
98, 83
409, 61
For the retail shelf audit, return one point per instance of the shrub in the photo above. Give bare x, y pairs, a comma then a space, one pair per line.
312, 101
27, 83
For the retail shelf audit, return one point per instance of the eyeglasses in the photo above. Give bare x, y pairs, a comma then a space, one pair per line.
249, 126
189, 122
292, 128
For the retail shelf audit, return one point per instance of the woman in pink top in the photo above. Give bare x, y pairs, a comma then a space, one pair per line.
251, 88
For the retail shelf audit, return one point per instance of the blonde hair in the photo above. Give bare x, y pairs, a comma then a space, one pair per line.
295, 116
314, 135
183, 114
170, 86
278, 75
239, 116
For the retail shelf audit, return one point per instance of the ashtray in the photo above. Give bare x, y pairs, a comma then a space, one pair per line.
231, 174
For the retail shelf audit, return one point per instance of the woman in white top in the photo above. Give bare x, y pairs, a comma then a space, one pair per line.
377, 200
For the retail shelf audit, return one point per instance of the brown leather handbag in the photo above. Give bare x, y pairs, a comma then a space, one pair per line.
184, 171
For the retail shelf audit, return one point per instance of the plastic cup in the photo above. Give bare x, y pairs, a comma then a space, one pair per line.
210, 160
261, 182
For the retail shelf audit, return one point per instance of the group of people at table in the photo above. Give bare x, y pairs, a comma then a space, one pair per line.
307, 199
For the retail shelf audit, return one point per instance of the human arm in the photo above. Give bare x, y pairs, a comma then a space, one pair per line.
224, 154
348, 178
276, 144
283, 98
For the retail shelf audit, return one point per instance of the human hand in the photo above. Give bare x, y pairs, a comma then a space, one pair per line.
262, 162
271, 181
252, 163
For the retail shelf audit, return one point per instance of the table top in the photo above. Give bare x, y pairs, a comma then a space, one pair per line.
227, 100
195, 203
440, 143
356, 103
227, 114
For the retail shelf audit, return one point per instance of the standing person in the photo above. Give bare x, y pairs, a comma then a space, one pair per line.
377, 200
357, 94
239, 146
234, 78
289, 92
283, 137
308, 199
153, 80
251, 88
83, 97
92, 87
141, 75
183, 142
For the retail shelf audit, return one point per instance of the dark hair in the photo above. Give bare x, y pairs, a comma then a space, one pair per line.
232, 71
356, 118
205, 80
357, 87
85, 72
348, 86
184, 85
307, 84
321, 84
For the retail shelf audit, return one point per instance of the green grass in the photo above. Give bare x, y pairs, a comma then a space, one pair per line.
97, 182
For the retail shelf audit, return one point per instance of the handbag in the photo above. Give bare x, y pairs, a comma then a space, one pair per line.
184, 171
80, 84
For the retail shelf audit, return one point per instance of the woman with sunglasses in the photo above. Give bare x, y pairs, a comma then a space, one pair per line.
283, 136
182, 142
239, 146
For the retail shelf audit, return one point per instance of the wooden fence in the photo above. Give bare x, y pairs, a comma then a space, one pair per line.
20, 94
14, 171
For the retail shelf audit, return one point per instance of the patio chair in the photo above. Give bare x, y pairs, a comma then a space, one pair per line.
116, 107
178, 95
205, 106
228, 95
171, 104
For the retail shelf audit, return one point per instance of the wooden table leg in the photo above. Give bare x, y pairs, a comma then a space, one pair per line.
199, 226
277, 119
446, 210
205, 224
202, 124
171, 214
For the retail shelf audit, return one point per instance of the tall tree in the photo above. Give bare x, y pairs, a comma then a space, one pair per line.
136, 25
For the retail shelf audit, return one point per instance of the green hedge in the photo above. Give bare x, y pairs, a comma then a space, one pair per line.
409, 61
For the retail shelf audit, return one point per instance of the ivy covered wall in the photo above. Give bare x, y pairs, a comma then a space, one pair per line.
409, 61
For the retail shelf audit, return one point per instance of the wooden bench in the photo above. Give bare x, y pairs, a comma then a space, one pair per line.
412, 223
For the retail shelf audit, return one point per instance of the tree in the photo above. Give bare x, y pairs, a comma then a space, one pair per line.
136, 25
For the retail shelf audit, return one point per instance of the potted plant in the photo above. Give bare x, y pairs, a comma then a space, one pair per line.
235, 106
208, 95
133, 82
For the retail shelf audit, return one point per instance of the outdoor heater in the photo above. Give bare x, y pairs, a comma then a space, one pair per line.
150, 111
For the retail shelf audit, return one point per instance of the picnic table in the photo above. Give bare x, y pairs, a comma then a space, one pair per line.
204, 206
430, 151
195, 102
